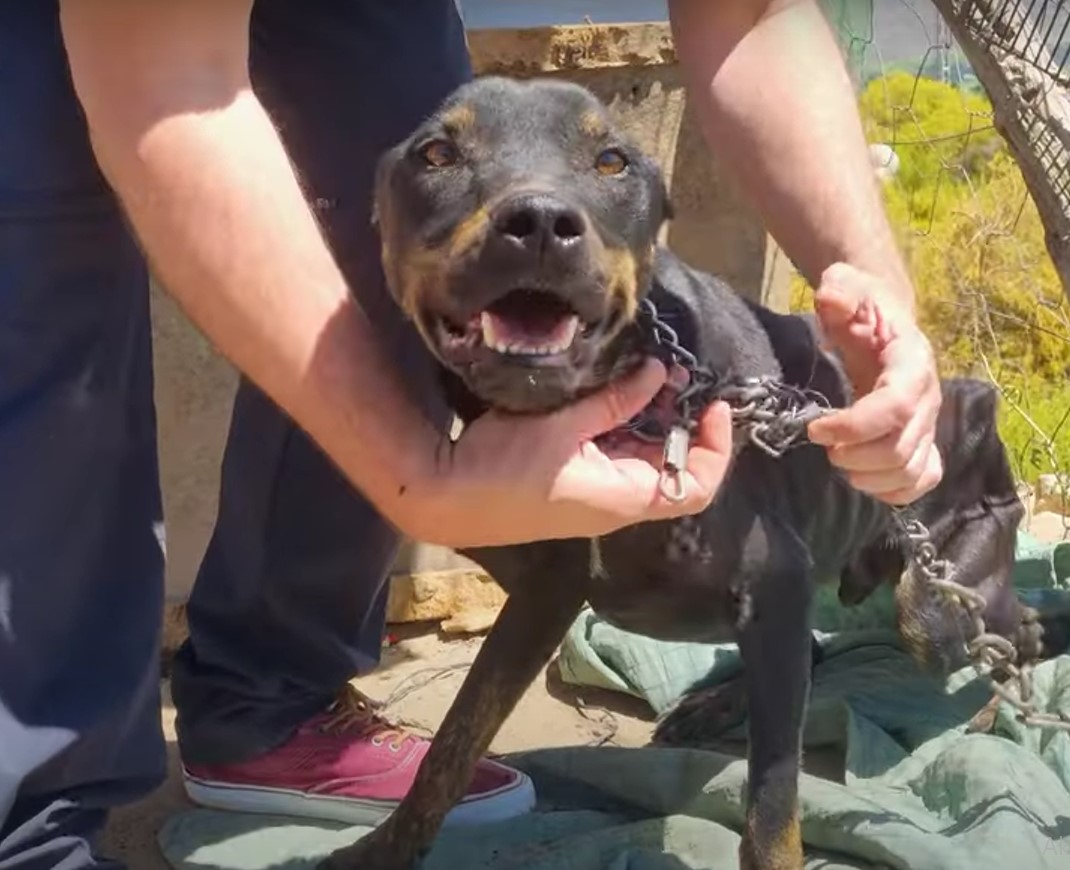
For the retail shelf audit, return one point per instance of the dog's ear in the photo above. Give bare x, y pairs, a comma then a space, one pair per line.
668, 210
662, 198
980, 402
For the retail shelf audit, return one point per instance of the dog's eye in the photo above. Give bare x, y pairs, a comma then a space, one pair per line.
611, 162
439, 153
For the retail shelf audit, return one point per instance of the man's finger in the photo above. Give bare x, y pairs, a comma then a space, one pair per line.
886, 410
707, 463
709, 457
614, 405
893, 451
715, 429
929, 479
885, 480
836, 310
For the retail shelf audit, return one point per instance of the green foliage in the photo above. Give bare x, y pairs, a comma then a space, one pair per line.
989, 297
938, 133
1034, 422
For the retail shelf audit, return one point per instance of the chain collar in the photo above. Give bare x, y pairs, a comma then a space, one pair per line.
766, 413
774, 417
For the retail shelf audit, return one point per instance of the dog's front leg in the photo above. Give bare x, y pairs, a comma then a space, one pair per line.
774, 640
536, 616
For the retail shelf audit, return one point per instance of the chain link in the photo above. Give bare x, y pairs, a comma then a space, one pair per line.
774, 417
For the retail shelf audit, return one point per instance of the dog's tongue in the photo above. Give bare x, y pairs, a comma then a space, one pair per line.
528, 332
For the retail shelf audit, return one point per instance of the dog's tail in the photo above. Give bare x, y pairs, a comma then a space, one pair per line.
937, 628
974, 515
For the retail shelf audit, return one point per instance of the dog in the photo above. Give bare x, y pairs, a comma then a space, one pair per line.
519, 232
972, 517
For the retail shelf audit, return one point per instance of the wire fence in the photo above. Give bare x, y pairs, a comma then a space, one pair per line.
989, 295
1035, 31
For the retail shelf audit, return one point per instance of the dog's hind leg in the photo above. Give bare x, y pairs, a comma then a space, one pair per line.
775, 642
545, 596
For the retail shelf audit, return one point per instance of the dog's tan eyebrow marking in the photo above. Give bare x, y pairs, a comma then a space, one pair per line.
622, 278
593, 124
468, 232
459, 118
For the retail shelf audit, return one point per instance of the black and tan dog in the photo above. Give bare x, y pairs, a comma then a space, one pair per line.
519, 233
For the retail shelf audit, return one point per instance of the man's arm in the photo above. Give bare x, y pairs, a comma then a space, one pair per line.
776, 104
208, 188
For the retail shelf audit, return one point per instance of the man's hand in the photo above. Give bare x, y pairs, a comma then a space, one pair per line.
885, 440
514, 479
797, 147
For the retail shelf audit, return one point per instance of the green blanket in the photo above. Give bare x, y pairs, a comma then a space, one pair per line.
910, 790
596, 654
917, 793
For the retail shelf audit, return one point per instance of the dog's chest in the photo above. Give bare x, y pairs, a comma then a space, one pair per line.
685, 544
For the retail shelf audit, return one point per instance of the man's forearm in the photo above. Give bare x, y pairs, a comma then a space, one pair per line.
218, 209
778, 109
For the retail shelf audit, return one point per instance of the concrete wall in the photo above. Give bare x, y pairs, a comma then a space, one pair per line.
631, 67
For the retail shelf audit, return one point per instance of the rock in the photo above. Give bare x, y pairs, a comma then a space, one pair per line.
467, 600
1053, 493
1048, 527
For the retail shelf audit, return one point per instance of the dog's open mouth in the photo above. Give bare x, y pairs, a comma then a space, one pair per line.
523, 323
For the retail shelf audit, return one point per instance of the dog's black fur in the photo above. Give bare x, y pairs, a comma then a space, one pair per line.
525, 200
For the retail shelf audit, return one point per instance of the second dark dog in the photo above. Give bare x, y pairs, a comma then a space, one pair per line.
519, 233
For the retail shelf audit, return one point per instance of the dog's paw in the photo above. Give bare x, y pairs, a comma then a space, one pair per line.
703, 715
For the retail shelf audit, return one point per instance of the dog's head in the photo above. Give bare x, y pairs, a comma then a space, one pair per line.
518, 228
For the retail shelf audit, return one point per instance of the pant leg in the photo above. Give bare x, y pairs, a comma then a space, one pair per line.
53, 833
289, 601
81, 563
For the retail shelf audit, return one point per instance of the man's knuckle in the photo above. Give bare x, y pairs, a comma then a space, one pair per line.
914, 472
901, 407
903, 453
838, 272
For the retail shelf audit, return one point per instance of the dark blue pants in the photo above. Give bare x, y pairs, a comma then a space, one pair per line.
289, 601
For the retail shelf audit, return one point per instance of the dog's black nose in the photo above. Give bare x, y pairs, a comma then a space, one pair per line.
538, 223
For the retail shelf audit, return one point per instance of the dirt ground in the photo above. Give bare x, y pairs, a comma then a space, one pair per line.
419, 677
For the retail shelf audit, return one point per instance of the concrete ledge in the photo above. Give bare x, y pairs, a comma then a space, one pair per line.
567, 48
462, 601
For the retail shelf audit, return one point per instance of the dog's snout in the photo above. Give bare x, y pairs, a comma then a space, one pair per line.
538, 223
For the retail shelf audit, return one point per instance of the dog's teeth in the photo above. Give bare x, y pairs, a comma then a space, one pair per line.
570, 334
498, 343
490, 331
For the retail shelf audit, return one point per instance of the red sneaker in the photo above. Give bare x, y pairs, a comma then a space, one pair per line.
349, 765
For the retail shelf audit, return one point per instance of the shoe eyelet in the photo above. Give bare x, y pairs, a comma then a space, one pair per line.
394, 747
377, 741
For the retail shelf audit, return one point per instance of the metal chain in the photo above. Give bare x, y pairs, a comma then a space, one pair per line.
988, 653
774, 417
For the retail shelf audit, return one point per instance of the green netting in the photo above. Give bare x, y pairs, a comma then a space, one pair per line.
852, 20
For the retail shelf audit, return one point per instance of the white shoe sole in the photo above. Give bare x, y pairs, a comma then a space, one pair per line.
507, 802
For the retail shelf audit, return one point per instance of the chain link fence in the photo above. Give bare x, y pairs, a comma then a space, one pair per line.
990, 296
1035, 31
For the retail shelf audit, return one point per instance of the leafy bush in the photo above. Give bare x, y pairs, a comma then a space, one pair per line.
1045, 448
989, 297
